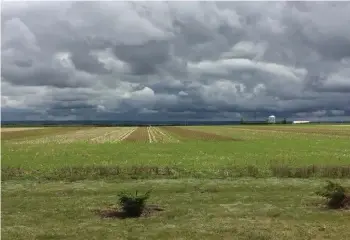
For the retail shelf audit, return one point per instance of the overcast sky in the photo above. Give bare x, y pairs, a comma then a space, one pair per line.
175, 60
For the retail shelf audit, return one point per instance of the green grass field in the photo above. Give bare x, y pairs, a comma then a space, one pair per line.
258, 186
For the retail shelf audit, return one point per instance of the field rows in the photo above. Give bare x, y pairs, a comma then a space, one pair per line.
104, 135
92, 135
276, 132
117, 135
166, 134
204, 150
157, 135
148, 134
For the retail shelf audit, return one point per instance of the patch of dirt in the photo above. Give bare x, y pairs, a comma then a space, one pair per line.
116, 213
198, 135
345, 204
139, 135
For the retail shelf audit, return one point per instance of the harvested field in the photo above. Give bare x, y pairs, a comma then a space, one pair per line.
122, 134
301, 130
19, 129
196, 135
39, 133
138, 135
79, 135
157, 135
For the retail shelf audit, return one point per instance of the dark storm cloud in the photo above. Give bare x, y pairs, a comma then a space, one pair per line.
83, 61
175, 60
144, 59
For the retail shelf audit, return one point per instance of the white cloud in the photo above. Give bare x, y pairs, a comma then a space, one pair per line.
225, 66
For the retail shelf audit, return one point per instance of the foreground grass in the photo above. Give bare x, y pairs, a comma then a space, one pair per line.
194, 209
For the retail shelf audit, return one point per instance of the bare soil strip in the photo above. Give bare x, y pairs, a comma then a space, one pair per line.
138, 135
16, 129
197, 135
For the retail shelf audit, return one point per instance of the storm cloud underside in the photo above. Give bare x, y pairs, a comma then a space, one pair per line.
175, 60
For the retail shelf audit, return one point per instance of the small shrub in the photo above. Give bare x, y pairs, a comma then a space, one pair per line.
133, 205
335, 194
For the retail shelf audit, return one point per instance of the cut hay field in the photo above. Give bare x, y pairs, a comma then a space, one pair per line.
214, 182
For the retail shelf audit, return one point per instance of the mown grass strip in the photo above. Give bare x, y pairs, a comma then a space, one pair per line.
243, 209
74, 173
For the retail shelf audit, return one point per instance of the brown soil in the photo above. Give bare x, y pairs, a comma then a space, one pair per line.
198, 135
346, 202
139, 135
115, 213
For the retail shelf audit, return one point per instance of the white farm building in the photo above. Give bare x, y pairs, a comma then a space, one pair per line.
300, 122
271, 119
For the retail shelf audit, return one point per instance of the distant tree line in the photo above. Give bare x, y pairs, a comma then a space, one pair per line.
242, 121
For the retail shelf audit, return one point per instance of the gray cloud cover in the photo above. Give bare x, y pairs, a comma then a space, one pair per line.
175, 60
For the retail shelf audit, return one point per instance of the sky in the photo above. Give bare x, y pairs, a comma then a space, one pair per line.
175, 60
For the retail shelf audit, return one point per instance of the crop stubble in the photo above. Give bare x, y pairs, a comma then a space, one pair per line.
102, 135
114, 135
16, 129
300, 130
92, 135
197, 135
156, 135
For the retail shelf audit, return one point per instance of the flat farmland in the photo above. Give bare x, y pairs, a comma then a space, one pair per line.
214, 182
200, 151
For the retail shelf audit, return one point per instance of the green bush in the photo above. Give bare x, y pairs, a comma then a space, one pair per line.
335, 194
133, 205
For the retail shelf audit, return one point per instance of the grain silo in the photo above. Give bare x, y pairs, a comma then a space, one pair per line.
271, 119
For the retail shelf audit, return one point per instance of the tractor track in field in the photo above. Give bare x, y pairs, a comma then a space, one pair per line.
125, 135
156, 135
151, 136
